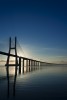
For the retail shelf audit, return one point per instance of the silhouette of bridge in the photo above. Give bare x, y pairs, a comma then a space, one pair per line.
18, 59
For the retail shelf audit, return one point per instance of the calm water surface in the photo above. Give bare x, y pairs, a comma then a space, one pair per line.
46, 83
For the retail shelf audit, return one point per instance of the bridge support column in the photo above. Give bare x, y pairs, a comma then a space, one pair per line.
19, 65
33, 64
36, 64
40, 63
29, 64
23, 65
26, 62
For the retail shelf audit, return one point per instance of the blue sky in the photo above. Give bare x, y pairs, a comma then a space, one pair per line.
40, 27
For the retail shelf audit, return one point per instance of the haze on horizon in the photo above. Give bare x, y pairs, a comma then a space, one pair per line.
40, 27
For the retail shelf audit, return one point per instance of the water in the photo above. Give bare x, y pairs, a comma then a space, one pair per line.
46, 83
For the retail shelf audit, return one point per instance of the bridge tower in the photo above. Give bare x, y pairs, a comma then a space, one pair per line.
12, 48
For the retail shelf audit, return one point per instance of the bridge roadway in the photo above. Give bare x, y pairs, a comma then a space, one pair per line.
7, 54
29, 62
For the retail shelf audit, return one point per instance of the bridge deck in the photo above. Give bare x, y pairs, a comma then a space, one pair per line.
7, 54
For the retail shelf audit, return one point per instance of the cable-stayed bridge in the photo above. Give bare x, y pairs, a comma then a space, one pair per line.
18, 59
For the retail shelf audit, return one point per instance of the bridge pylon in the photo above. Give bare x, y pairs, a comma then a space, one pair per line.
12, 48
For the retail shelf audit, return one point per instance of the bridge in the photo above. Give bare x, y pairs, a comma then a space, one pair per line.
18, 59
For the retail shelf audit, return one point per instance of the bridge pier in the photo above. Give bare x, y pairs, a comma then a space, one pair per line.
19, 65
34, 64
40, 63
37, 64
23, 66
26, 62
29, 64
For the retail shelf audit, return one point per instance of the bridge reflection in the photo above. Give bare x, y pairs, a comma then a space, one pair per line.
25, 70
8, 81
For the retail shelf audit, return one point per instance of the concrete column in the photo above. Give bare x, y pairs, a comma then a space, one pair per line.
26, 62
23, 65
33, 62
36, 63
19, 65
29, 64
40, 63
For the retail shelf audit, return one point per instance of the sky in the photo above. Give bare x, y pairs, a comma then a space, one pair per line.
39, 25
